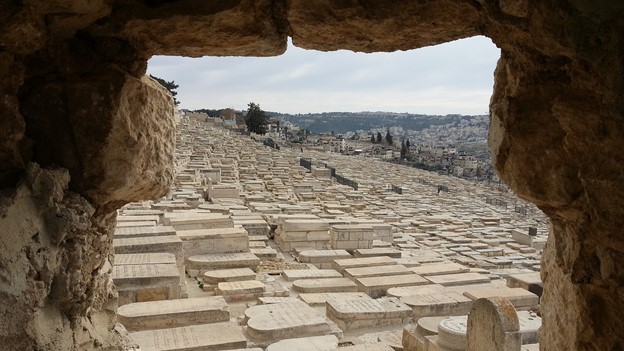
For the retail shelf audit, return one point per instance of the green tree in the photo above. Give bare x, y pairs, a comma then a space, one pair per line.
403, 150
407, 144
388, 137
379, 138
171, 86
373, 138
256, 120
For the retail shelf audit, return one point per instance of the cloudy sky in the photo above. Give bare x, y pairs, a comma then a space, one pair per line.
455, 77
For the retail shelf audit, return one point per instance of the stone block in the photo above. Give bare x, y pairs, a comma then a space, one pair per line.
215, 336
325, 285
378, 286
173, 313
351, 312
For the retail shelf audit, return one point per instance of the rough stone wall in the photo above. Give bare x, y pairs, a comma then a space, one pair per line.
73, 101
83, 132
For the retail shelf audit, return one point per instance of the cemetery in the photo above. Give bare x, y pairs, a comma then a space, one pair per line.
252, 251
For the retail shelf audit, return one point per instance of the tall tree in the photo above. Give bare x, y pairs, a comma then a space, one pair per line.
407, 144
256, 120
171, 86
373, 138
379, 137
403, 150
389, 137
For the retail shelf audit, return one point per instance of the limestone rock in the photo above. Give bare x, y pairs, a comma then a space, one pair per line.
56, 290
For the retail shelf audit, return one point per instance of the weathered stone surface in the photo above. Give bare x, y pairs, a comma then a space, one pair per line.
55, 267
115, 157
173, 313
493, 326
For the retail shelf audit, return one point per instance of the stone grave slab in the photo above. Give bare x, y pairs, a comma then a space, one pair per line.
416, 290
437, 304
198, 265
440, 269
265, 253
378, 286
318, 299
322, 258
458, 279
341, 264
189, 220
525, 280
136, 232
352, 312
240, 290
167, 243
519, 297
269, 323
381, 251
211, 241
204, 337
325, 285
173, 313
135, 224
228, 275
146, 282
313, 343
376, 271
145, 258
296, 274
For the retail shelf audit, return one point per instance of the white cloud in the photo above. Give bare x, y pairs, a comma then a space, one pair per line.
455, 77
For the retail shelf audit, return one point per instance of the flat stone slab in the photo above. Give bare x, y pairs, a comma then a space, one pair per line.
322, 258
518, 297
203, 337
317, 299
136, 232
438, 304
203, 263
524, 280
191, 220
351, 312
297, 274
304, 225
324, 285
416, 290
341, 264
166, 243
173, 313
440, 269
458, 279
145, 258
376, 271
240, 290
228, 275
141, 276
378, 286
210, 241
394, 253
132, 224
315, 343
269, 323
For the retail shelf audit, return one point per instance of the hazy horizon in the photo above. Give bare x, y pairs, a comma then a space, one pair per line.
451, 78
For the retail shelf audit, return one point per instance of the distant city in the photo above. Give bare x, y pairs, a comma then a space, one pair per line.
450, 144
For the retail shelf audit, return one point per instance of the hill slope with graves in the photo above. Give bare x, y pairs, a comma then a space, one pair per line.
252, 250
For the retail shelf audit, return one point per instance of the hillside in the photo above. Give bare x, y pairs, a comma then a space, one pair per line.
342, 122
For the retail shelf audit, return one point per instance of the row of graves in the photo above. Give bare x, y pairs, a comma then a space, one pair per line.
252, 251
